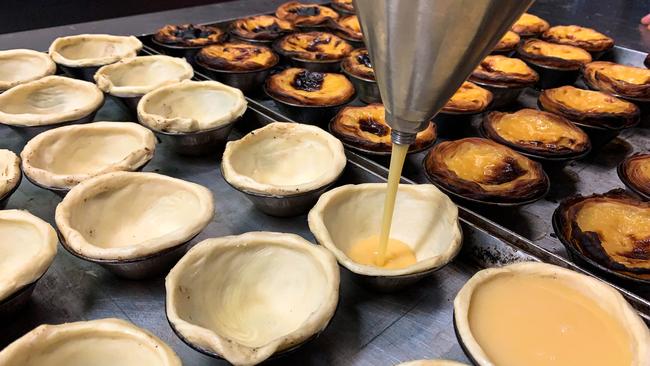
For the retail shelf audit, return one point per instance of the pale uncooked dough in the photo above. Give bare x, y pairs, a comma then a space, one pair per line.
21, 66
85, 50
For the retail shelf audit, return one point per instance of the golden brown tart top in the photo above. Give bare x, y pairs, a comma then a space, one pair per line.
484, 170
589, 107
349, 27
345, 5
504, 71
260, 28
635, 173
303, 87
626, 81
613, 229
508, 42
536, 132
189, 35
358, 64
313, 46
585, 38
469, 98
305, 14
237, 56
553, 55
530, 25
366, 128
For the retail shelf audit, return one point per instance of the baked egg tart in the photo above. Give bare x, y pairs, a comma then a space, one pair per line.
300, 14
468, 99
94, 342
634, 171
49, 101
27, 249
485, 171
248, 297
307, 88
502, 71
283, 168
238, 56
507, 43
358, 64
589, 108
425, 220
319, 51
86, 50
529, 25
189, 35
611, 229
573, 35
536, 133
63, 157
10, 174
343, 6
21, 66
538, 314
260, 28
553, 55
348, 27
365, 128
621, 80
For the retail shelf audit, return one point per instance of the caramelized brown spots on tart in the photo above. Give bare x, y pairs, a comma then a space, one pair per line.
502, 172
469, 98
237, 57
305, 14
313, 46
537, 50
586, 38
189, 35
305, 11
586, 100
371, 126
296, 85
504, 70
308, 80
529, 24
358, 63
635, 172
624, 80
260, 27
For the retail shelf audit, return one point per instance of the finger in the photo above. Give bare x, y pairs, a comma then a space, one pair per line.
646, 19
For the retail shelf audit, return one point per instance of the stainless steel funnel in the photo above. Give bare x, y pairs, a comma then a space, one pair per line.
423, 50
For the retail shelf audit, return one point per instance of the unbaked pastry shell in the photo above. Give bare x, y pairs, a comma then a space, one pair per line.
191, 106
65, 156
424, 218
49, 100
27, 249
283, 159
249, 296
89, 342
9, 171
134, 77
127, 215
93, 49
607, 297
21, 66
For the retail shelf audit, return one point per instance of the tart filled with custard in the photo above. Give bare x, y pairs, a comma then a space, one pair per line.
508, 43
529, 25
611, 229
626, 81
634, 171
189, 35
468, 99
590, 108
308, 88
300, 14
263, 28
502, 71
349, 28
573, 35
313, 46
237, 56
484, 170
552, 55
344, 6
366, 128
358, 64
537, 133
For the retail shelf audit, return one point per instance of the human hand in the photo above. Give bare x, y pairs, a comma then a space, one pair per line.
646, 20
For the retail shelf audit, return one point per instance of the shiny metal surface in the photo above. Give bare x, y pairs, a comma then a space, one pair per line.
367, 90
246, 81
423, 51
197, 143
16, 301
83, 73
28, 132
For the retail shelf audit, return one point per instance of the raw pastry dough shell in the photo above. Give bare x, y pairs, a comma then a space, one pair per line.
23, 66
35, 239
607, 297
115, 49
425, 218
50, 157
134, 215
236, 260
9, 171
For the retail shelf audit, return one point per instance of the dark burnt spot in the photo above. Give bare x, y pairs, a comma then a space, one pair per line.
271, 28
371, 126
313, 45
191, 31
364, 59
241, 54
308, 80
641, 249
507, 171
305, 11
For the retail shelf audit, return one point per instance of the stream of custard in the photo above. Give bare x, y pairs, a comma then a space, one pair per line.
381, 251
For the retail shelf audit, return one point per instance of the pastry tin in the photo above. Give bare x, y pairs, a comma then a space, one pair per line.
246, 81
28, 132
196, 143
367, 89
313, 115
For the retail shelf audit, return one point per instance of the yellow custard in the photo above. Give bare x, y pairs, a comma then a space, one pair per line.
527, 19
535, 320
507, 65
398, 254
629, 74
589, 100
575, 32
531, 125
564, 52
